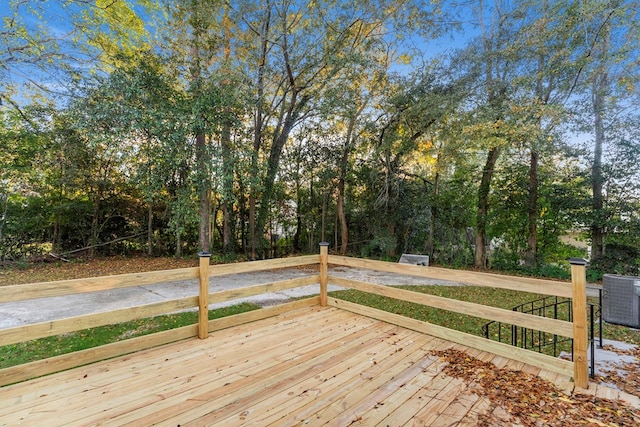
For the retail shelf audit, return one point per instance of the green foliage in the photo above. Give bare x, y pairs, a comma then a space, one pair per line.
379, 247
617, 259
115, 28
302, 105
555, 266
23, 231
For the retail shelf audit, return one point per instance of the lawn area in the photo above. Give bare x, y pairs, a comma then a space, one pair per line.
28, 351
501, 298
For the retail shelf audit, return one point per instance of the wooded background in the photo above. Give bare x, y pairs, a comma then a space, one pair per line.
480, 133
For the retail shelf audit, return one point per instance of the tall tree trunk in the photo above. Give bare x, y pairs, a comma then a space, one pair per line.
201, 153
204, 202
434, 214
599, 93
258, 127
344, 229
55, 238
480, 255
252, 223
297, 247
542, 95
340, 212
273, 163
227, 190
344, 169
150, 229
178, 244
228, 240
597, 180
312, 232
243, 214
532, 238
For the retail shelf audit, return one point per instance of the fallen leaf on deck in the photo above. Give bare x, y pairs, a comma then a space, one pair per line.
532, 401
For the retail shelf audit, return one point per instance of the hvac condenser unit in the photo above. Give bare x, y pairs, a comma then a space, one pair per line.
621, 300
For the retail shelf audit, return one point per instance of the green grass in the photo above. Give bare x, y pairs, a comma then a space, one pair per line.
621, 333
473, 325
461, 322
28, 351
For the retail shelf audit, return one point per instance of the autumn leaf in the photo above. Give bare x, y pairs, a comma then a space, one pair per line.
531, 400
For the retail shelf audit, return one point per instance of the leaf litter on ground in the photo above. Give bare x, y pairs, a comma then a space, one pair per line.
625, 376
530, 400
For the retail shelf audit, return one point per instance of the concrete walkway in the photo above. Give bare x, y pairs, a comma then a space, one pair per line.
27, 312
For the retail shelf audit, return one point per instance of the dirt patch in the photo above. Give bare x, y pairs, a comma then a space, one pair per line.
78, 269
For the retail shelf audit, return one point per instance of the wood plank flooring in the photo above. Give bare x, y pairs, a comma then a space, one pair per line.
310, 367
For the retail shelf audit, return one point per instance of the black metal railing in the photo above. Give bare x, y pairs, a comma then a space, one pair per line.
545, 342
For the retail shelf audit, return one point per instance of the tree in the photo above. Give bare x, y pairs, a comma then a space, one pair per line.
200, 41
488, 122
19, 147
610, 43
36, 55
300, 51
547, 48
40, 62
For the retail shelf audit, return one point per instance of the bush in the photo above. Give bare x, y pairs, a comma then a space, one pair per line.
379, 247
617, 259
510, 262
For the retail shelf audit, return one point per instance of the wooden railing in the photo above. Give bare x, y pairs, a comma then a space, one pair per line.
66, 287
577, 329
205, 272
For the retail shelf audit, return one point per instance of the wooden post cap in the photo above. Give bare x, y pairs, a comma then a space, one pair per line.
204, 254
578, 261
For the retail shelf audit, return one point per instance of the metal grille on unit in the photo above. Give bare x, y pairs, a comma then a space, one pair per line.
621, 300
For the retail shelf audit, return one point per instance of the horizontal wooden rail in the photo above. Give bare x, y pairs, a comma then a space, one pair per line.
263, 313
530, 321
71, 360
523, 284
75, 286
233, 294
93, 284
542, 361
72, 324
269, 264
78, 358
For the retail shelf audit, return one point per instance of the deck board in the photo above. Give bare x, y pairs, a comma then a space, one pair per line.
313, 366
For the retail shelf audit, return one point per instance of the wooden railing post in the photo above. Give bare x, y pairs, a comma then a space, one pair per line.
324, 271
579, 302
203, 299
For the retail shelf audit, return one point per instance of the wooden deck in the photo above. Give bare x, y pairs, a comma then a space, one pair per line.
312, 366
